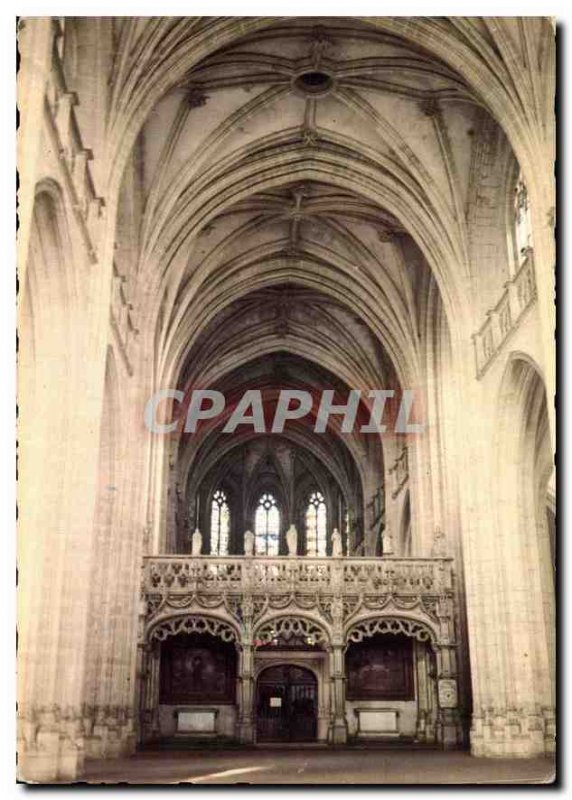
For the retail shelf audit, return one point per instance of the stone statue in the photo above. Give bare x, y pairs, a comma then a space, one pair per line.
196, 542
248, 543
337, 610
292, 540
439, 548
388, 549
337, 549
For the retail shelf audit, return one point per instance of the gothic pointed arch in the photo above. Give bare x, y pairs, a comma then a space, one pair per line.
524, 467
290, 629
394, 624
192, 623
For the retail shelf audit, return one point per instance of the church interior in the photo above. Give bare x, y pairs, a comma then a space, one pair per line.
285, 203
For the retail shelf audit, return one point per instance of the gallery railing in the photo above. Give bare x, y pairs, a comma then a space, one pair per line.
347, 575
518, 295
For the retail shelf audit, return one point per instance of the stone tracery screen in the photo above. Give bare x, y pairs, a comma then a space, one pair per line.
380, 668
197, 668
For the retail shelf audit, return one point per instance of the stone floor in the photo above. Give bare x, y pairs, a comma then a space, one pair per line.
318, 766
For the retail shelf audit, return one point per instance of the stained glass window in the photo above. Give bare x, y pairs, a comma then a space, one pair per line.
316, 525
220, 524
267, 526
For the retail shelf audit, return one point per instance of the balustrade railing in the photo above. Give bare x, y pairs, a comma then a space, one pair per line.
174, 574
501, 320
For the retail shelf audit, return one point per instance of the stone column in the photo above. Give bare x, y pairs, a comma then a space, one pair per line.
143, 677
449, 731
149, 698
339, 728
245, 724
423, 694
543, 222
245, 688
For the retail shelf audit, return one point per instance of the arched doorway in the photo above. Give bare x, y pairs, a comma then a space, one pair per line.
286, 704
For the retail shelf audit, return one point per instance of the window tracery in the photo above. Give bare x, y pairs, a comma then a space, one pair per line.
220, 524
316, 525
267, 526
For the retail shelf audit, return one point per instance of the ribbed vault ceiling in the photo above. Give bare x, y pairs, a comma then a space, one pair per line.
303, 187
322, 153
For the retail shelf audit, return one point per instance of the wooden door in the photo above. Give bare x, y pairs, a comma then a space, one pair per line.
286, 705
